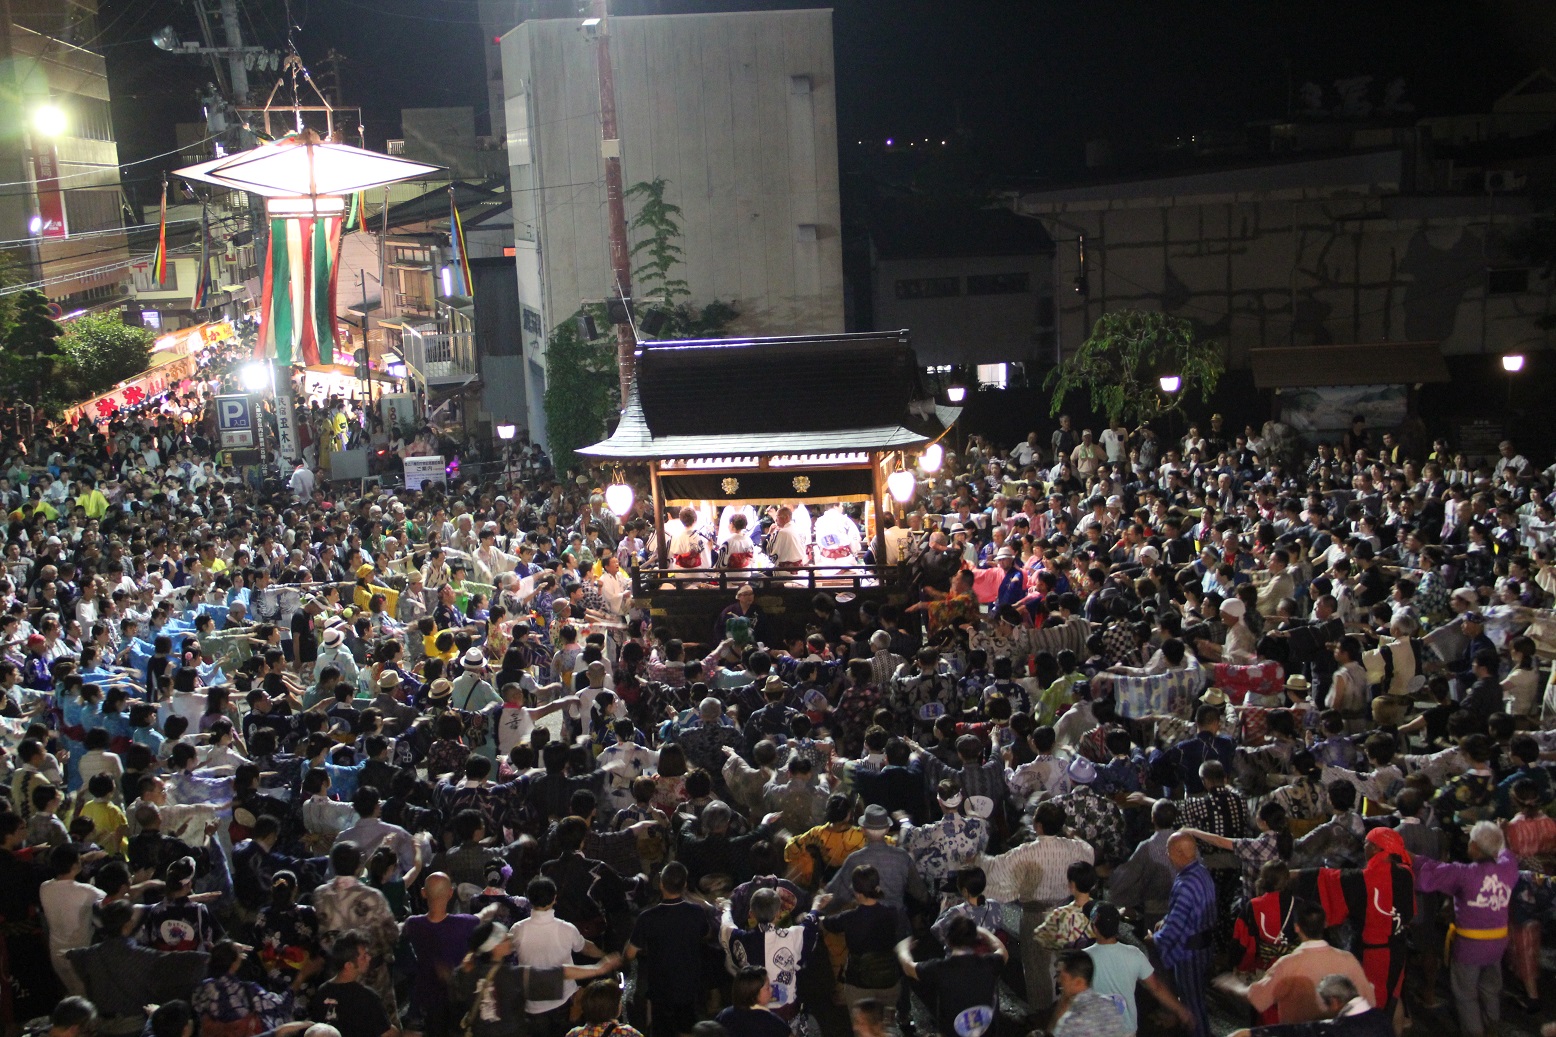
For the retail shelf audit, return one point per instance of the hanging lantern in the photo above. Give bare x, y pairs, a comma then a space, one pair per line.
901, 485
619, 498
931, 459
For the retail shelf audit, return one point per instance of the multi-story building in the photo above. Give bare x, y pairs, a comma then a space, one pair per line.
57, 149
736, 112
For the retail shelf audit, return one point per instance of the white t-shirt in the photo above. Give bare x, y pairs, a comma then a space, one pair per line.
1118, 967
545, 941
67, 907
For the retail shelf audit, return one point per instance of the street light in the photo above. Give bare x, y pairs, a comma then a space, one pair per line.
1512, 363
507, 432
255, 376
49, 120
1170, 383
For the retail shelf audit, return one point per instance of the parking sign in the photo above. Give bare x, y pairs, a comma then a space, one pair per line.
235, 422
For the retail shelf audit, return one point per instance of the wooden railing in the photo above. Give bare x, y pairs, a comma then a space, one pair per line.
650, 579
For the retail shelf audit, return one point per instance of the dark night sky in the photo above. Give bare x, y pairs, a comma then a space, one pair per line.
1028, 81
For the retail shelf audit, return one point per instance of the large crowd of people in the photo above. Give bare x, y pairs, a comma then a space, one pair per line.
1131, 730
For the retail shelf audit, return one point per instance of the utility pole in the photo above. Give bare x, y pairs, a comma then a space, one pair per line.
616, 205
332, 63
238, 70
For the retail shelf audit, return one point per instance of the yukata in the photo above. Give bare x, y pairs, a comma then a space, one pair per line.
939, 849
228, 999
343, 904
1184, 940
1099, 821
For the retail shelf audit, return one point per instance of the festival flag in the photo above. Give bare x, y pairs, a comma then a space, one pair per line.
459, 261
297, 312
202, 286
356, 214
159, 261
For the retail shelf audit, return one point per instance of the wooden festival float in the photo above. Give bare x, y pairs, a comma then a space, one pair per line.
812, 420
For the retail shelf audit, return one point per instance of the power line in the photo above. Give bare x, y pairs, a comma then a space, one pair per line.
122, 165
90, 272
390, 12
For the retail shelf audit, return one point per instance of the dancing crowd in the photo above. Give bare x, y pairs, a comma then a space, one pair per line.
1127, 730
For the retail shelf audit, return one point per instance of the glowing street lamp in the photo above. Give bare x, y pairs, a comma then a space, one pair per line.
1170, 383
507, 432
49, 120
255, 376
1512, 363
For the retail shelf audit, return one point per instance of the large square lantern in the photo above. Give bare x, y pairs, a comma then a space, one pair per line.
304, 180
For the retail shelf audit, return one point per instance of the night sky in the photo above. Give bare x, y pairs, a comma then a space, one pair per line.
1020, 84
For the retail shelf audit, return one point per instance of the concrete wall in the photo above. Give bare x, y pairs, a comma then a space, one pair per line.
966, 328
711, 103
38, 66
1325, 263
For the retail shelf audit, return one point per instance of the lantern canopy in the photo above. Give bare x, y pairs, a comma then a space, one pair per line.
302, 178
303, 166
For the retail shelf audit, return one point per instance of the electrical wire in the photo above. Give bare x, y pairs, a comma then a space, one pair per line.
389, 12
122, 165
76, 275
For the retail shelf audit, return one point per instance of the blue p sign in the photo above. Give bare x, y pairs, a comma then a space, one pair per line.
232, 412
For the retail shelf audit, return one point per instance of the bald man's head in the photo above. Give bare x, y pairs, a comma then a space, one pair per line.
439, 888
1182, 850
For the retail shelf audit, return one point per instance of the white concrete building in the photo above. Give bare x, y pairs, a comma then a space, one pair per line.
736, 111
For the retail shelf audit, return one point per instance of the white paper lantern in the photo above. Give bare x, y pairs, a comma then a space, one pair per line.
932, 457
619, 498
901, 485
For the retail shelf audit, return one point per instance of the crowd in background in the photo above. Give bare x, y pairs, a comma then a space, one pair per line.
1141, 730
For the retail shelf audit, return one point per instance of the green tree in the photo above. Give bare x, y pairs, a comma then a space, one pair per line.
658, 252
1123, 360
100, 350
32, 352
582, 387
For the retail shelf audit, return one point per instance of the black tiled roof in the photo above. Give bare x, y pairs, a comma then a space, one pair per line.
723, 397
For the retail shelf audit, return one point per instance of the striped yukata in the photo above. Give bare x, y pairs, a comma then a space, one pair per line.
1184, 939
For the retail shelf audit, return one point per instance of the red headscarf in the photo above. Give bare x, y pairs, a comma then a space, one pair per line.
1389, 841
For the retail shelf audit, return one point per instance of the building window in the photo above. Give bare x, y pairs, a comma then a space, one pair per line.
1511, 281
999, 284
93, 208
87, 117
150, 319
928, 287
994, 376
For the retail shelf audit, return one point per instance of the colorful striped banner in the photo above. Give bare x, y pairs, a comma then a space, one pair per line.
297, 314
460, 258
159, 261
